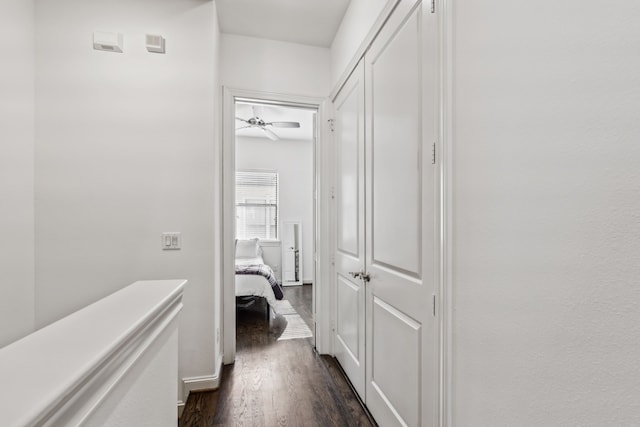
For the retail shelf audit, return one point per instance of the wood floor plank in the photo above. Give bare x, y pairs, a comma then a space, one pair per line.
199, 409
277, 383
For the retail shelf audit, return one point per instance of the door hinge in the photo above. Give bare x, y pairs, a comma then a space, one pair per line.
433, 300
331, 125
433, 154
433, 6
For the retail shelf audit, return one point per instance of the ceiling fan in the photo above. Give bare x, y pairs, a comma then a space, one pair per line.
257, 122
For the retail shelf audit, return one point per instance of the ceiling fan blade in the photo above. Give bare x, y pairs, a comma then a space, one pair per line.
244, 127
284, 124
241, 119
272, 136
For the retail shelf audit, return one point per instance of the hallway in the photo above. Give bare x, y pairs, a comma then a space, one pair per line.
276, 383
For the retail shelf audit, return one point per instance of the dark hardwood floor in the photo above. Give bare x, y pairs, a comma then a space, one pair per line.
276, 383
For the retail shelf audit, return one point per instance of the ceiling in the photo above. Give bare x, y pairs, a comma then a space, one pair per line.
276, 113
310, 22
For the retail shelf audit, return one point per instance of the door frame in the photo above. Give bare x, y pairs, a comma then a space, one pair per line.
323, 221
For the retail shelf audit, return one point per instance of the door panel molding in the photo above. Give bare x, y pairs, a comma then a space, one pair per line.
396, 148
347, 196
348, 315
399, 387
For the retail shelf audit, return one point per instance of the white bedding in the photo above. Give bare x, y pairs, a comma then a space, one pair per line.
252, 284
249, 261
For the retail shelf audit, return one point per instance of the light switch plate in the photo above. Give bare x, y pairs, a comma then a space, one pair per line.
171, 241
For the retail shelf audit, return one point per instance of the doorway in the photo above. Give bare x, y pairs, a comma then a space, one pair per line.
264, 135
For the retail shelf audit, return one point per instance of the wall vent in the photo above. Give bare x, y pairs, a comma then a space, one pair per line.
155, 43
110, 42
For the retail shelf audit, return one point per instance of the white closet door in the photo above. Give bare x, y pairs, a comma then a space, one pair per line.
400, 181
350, 247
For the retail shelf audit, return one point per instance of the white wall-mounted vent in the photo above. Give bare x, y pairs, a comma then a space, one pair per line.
110, 42
155, 43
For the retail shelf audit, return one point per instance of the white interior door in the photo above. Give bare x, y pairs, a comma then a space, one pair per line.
350, 247
400, 210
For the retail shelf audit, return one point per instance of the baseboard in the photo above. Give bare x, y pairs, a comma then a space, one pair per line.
202, 383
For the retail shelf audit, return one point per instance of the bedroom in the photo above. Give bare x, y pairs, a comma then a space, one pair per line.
274, 176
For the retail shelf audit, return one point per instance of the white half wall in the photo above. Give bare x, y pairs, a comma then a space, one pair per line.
293, 160
94, 368
125, 149
273, 66
546, 197
16, 169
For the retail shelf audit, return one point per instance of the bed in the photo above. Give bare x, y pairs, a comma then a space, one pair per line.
253, 277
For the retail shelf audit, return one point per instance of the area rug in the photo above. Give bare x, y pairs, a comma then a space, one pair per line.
284, 307
295, 328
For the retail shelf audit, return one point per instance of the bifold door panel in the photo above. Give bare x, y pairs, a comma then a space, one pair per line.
350, 257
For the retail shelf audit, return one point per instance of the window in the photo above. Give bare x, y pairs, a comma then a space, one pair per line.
256, 205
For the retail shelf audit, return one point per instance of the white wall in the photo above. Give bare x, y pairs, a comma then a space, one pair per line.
546, 218
272, 256
356, 24
125, 148
274, 66
146, 395
293, 160
16, 169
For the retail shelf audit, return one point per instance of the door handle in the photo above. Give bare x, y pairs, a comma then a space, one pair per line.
360, 275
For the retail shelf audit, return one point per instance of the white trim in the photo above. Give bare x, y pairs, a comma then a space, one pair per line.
201, 383
228, 227
180, 408
324, 219
228, 213
445, 8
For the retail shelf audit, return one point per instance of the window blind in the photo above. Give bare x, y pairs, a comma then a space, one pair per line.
256, 205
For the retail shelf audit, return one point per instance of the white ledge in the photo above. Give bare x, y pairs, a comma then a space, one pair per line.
64, 370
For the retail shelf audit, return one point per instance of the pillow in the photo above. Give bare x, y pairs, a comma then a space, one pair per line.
248, 248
